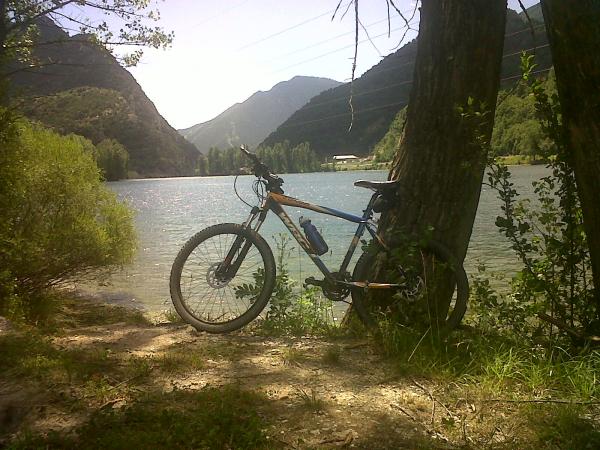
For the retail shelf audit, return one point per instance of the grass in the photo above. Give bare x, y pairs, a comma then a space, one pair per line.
292, 356
332, 355
90, 379
171, 316
180, 361
478, 384
310, 401
493, 365
212, 418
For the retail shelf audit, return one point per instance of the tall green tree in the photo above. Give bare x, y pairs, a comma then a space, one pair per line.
574, 32
441, 158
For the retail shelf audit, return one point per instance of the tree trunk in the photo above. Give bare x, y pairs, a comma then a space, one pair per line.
442, 155
573, 29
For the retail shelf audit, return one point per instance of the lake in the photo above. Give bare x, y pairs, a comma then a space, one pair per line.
171, 210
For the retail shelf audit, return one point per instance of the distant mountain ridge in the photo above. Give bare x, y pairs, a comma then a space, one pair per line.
384, 90
251, 121
78, 76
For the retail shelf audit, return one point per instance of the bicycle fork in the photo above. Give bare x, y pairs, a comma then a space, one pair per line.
227, 269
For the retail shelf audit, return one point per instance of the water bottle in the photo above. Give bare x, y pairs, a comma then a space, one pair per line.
317, 242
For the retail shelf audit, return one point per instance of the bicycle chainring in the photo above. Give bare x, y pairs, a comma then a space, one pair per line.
334, 291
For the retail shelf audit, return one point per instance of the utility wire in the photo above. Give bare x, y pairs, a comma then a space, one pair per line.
405, 82
285, 30
366, 40
316, 44
334, 51
389, 105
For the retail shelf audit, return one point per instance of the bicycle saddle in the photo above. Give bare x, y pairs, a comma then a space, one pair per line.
378, 186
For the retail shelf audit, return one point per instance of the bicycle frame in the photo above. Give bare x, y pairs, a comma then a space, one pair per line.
275, 202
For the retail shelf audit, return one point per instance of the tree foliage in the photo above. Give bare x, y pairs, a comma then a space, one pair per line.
554, 286
517, 130
109, 23
106, 115
112, 159
59, 222
280, 158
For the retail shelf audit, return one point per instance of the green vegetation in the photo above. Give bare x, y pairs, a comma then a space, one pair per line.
552, 296
213, 418
112, 158
517, 138
125, 139
281, 158
59, 222
290, 311
86, 381
385, 149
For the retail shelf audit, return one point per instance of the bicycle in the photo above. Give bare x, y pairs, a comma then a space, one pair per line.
224, 275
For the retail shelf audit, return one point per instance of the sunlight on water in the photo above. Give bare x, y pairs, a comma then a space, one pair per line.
169, 211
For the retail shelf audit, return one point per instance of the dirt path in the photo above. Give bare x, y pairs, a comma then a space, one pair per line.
325, 393
316, 393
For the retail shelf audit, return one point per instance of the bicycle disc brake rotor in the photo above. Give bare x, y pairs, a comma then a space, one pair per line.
212, 279
413, 288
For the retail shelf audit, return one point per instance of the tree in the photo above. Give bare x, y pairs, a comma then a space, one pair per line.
112, 159
441, 158
59, 223
127, 25
574, 33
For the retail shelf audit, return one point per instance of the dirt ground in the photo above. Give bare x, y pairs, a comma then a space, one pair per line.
320, 393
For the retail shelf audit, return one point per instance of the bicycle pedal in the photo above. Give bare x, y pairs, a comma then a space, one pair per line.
311, 281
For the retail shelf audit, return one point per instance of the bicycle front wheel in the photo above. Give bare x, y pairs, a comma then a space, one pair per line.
217, 303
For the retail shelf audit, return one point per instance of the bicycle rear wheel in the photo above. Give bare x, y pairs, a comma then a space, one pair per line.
217, 303
369, 312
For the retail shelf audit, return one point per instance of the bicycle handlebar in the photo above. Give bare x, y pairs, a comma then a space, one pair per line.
262, 171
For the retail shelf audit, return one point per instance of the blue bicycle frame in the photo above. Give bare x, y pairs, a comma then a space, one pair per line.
275, 202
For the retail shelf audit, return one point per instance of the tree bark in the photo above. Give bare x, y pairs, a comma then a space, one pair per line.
573, 29
443, 153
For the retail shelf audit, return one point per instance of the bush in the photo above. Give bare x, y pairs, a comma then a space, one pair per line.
291, 311
59, 222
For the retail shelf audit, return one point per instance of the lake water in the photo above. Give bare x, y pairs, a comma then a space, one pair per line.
169, 211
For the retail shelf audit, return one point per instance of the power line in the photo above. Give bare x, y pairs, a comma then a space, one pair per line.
376, 108
308, 47
220, 13
380, 35
285, 30
345, 97
333, 51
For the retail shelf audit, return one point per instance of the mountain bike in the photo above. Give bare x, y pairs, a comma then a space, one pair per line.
224, 275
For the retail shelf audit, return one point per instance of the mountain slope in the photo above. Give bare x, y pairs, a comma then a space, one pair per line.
380, 93
72, 64
251, 121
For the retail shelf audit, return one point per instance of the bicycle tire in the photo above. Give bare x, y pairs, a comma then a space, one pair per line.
213, 305
455, 315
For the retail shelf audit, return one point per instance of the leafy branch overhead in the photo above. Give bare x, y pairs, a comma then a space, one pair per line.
108, 23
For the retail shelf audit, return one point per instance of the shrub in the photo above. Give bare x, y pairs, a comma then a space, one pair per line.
552, 295
290, 311
59, 222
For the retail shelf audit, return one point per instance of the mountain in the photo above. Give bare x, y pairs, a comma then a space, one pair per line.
381, 92
81, 88
534, 12
251, 121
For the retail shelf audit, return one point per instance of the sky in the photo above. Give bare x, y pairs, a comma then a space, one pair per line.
226, 50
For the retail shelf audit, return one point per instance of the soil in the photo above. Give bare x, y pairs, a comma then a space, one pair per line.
321, 393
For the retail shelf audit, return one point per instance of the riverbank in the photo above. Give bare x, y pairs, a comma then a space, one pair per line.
100, 376
509, 160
